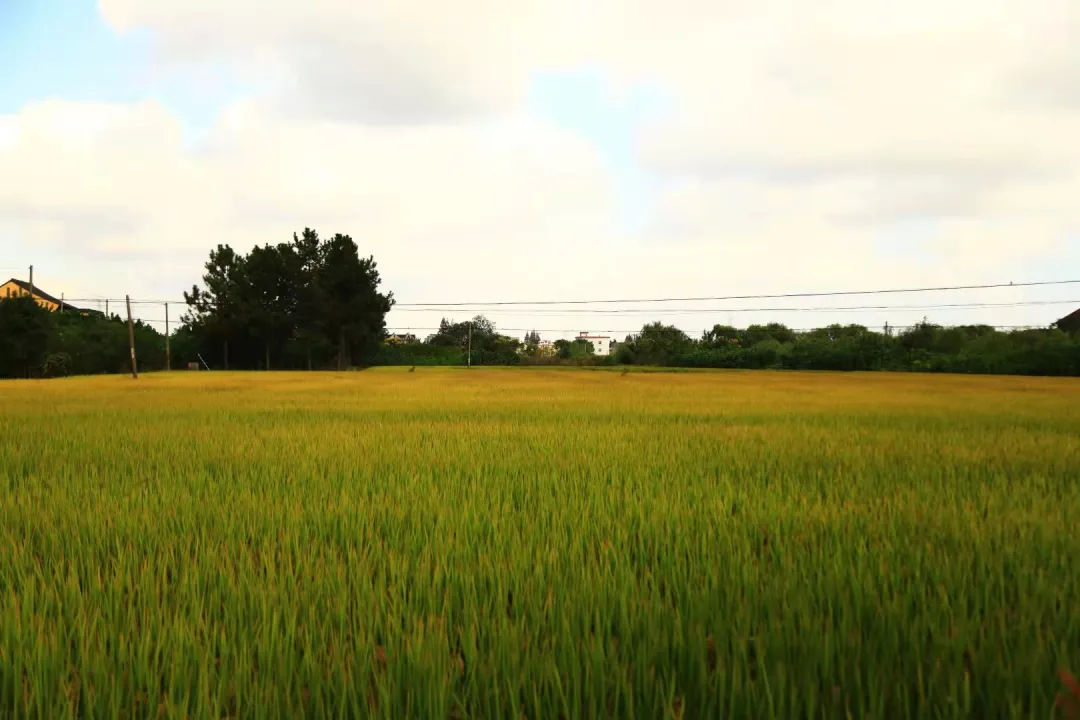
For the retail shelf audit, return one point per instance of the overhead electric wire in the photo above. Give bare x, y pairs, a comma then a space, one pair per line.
635, 331
120, 300
760, 296
743, 297
638, 330
519, 307
842, 308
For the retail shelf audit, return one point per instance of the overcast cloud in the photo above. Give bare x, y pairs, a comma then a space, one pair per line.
799, 146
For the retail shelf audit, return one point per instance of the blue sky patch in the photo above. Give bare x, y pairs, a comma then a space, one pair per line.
583, 100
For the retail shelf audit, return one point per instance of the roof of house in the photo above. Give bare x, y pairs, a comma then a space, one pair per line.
1072, 318
40, 293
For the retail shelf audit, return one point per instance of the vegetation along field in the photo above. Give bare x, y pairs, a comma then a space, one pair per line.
535, 543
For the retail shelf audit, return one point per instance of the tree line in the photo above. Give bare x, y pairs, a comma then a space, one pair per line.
310, 303
315, 303
926, 347
37, 343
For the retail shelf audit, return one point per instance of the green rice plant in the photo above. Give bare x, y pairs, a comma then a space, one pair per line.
538, 543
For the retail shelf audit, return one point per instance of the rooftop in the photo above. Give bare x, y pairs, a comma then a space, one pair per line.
1070, 321
37, 291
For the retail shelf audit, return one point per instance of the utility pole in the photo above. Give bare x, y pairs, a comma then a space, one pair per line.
106, 308
61, 302
31, 281
168, 352
131, 339
470, 345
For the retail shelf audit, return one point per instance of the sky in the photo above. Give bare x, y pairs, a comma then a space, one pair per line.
493, 150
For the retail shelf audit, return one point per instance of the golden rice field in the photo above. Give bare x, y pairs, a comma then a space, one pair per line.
500, 543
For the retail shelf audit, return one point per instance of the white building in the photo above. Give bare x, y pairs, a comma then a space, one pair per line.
601, 343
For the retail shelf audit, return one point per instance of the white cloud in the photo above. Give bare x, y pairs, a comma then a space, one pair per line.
840, 143
377, 62
115, 180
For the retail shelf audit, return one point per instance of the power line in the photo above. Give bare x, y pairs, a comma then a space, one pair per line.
835, 293
687, 332
133, 302
842, 308
637, 311
670, 329
743, 297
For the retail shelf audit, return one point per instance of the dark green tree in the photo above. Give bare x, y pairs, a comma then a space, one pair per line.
308, 255
659, 344
488, 346
576, 349
773, 331
96, 344
720, 336
25, 332
354, 312
300, 301
270, 305
218, 310
456, 334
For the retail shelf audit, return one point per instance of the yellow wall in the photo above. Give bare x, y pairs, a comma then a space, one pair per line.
10, 289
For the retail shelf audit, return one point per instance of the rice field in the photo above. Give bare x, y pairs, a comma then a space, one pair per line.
499, 543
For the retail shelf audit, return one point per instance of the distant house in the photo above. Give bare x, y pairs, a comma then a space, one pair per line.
601, 343
546, 348
400, 339
1069, 323
21, 288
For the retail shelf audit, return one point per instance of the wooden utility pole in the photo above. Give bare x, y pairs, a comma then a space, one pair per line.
469, 361
131, 339
106, 308
168, 352
61, 302
31, 282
